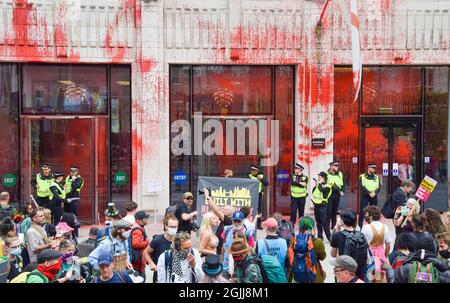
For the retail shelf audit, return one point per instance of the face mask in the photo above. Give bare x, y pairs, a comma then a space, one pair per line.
108, 223
50, 271
238, 258
126, 234
16, 252
172, 231
445, 254
67, 257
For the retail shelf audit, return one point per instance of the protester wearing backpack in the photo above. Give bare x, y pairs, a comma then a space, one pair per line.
138, 243
272, 245
285, 229
247, 270
351, 242
345, 270
305, 253
49, 265
6, 210
111, 215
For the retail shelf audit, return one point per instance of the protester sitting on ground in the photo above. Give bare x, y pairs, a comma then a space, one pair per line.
115, 244
87, 246
404, 245
433, 222
378, 237
107, 272
345, 268
272, 244
13, 251
111, 215
72, 263
421, 266
26, 222
182, 263
72, 220
403, 216
418, 224
6, 210
50, 262
224, 216
340, 246
306, 231
22, 277
285, 228
131, 209
443, 241
208, 240
139, 243
163, 242
36, 236
213, 270
48, 226
245, 271
228, 236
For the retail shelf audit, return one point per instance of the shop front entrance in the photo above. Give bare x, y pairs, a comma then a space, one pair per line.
63, 141
394, 145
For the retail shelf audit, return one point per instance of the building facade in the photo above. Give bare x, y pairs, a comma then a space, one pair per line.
99, 84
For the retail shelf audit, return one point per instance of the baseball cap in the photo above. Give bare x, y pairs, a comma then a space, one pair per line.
237, 216
345, 262
105, 259
187, 194
140, 215
270, 223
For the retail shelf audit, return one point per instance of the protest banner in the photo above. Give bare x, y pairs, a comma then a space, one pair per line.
236, 192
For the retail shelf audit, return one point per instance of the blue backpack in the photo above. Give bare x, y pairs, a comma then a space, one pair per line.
305, 260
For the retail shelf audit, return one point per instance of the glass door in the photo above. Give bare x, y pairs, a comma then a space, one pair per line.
394, 146
62, 142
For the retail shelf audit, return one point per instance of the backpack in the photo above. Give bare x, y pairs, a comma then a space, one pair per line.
135, 254
356, 246
172, 209
258, 261
305, 259
388, 209
100, 237
423, 273
25, 276
285, 230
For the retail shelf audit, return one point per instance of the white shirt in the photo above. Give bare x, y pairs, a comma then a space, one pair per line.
185, 268
129, 218
367, 231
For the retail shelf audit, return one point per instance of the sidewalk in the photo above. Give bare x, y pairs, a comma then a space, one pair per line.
154, 229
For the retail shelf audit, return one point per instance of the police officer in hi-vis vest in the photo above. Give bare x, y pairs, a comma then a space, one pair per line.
299, 191
74, 183
57, 197
370, 185
255, 174
41, 182
320, 196
336, 180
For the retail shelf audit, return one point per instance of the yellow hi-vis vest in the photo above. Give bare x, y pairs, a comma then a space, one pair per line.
43, 186
317, 195
62, 192
260, 184
337, 179
68, 185
369, 184
297, 191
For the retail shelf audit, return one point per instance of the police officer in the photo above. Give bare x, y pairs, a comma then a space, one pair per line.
336, 181
74, 183
370, 187
41, 182
57, 197
320, 196
255, 174
299, 191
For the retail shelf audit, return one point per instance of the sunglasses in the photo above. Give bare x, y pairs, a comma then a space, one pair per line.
189, 198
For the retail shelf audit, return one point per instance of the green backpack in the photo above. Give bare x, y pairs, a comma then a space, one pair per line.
274, 270
423, 273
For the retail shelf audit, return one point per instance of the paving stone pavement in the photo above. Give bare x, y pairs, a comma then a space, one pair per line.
154, 229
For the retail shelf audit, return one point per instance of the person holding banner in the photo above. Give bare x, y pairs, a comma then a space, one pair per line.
370, 185
299, 192
256, 175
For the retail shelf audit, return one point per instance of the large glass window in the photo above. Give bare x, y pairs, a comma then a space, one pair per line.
120, 147
389, 90
346, 134
225, 90
436, 133
9, 115
62, 89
